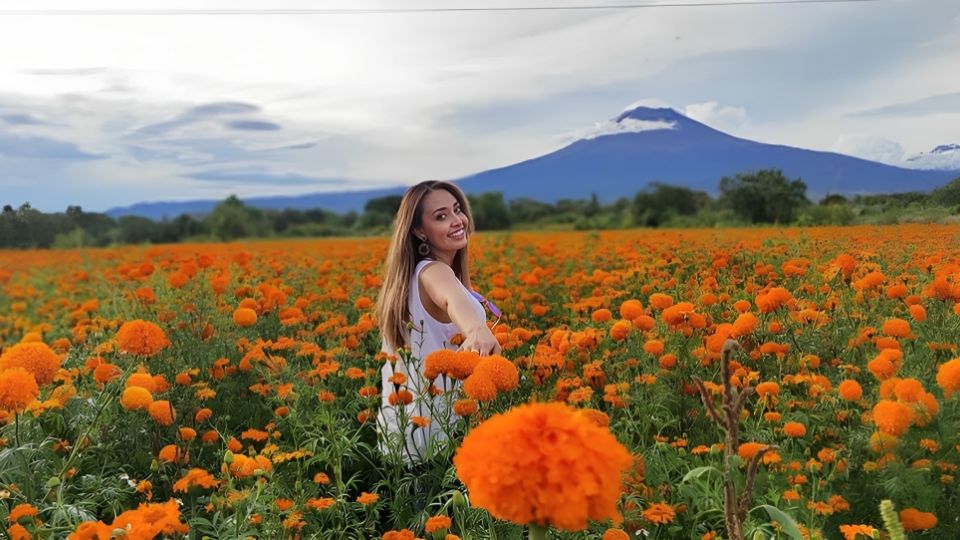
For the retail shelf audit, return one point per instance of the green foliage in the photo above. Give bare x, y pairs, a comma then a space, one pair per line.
659, 203
766, 196
489, 211
947, 195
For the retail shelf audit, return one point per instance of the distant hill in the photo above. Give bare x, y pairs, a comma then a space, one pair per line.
640, 146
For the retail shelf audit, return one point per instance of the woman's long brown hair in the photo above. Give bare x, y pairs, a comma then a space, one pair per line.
392, 311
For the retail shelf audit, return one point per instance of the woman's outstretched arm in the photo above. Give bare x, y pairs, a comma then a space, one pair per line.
443, 287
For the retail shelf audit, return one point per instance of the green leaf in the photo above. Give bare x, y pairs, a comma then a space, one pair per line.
698, 472
784, 519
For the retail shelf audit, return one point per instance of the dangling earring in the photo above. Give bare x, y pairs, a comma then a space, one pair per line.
424, 248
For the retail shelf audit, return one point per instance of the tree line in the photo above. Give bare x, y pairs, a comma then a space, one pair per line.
756, 197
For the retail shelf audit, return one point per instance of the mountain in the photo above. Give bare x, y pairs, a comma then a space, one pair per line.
639, 146
339, 202
943, 157
671, 148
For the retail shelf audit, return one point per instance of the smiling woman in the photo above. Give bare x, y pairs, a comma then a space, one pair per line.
424, 302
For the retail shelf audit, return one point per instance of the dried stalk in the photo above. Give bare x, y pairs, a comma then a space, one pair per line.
735, 504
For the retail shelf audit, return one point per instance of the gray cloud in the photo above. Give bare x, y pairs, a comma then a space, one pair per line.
23, 119
196, 114
32, 147
252, 125
942, 103
259, 175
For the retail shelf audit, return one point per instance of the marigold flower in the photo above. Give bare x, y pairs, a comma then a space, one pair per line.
36, 357
465, 407
135, 398
321, 503
321, 478
502, 372
195, 478
162, 412
367, 498
18, 388
897, 328
402, 534
621, 329
545, 464
436, 523
915, 520
480, 387
142, 338
615, 534
908, 390
850, 390
892, 417
143, 380
948, 377
850, 532
747, 450
631, 309
171, 453
660, 301
767, 388
21, 511
794, 429
659, 513
601, 315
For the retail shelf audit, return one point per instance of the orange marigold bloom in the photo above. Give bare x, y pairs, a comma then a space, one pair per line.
321, 503
918, 312
202, 415
660, 301
794, 429
402, 534
162, 412
659, 513
21, 511
18, 388
142, 338
747, 450
601, 315
744, 325
480, 387
897, 328
36, 357
19, 532
143, 380
244, 317
948, 377
195, 478
615, 534
654, 347
171, 453
543, 463
367, 498
850, 390
850, 532
465, 407
501, 371
765, 389
135, 398
892, 417
915, 520
631, 309
436, 523
908, 390
106, 372
621, 329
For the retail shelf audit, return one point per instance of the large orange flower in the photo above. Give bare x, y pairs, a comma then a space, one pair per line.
948, 377
35, 357
544, 464
18, 389
892, 417
142, 338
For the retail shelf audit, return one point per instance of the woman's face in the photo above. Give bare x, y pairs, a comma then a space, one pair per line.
443, 222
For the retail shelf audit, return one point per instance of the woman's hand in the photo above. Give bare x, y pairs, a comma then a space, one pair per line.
482, 341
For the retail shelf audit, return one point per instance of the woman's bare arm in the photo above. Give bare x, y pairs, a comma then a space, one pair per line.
444, 289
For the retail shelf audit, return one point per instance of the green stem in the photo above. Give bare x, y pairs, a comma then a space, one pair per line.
538, 533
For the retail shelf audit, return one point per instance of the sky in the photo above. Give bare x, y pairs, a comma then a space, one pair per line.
105, 110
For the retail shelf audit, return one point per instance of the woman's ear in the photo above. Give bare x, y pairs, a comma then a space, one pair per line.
418, 232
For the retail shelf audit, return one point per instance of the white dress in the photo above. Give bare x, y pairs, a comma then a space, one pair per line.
428, 335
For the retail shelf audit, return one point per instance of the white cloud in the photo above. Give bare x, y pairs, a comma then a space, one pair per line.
652, 103
611, 127
871, 148
723, 117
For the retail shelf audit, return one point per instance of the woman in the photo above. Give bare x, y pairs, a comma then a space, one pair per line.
425, 300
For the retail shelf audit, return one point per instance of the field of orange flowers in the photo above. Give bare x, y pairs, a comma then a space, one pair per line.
231, 390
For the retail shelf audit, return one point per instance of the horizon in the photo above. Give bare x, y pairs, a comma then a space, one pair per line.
389, 99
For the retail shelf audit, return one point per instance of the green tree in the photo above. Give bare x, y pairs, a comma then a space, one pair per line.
489, 211
765, 196
657, 203
947, 195
136, 230
233, 219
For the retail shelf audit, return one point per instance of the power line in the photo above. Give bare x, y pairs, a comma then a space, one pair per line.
715, 3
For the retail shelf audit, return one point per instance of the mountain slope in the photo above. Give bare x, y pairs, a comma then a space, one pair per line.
690, 154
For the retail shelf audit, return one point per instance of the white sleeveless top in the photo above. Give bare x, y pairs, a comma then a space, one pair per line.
428, 335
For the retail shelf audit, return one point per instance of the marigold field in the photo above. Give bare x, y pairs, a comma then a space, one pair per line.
232, 390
